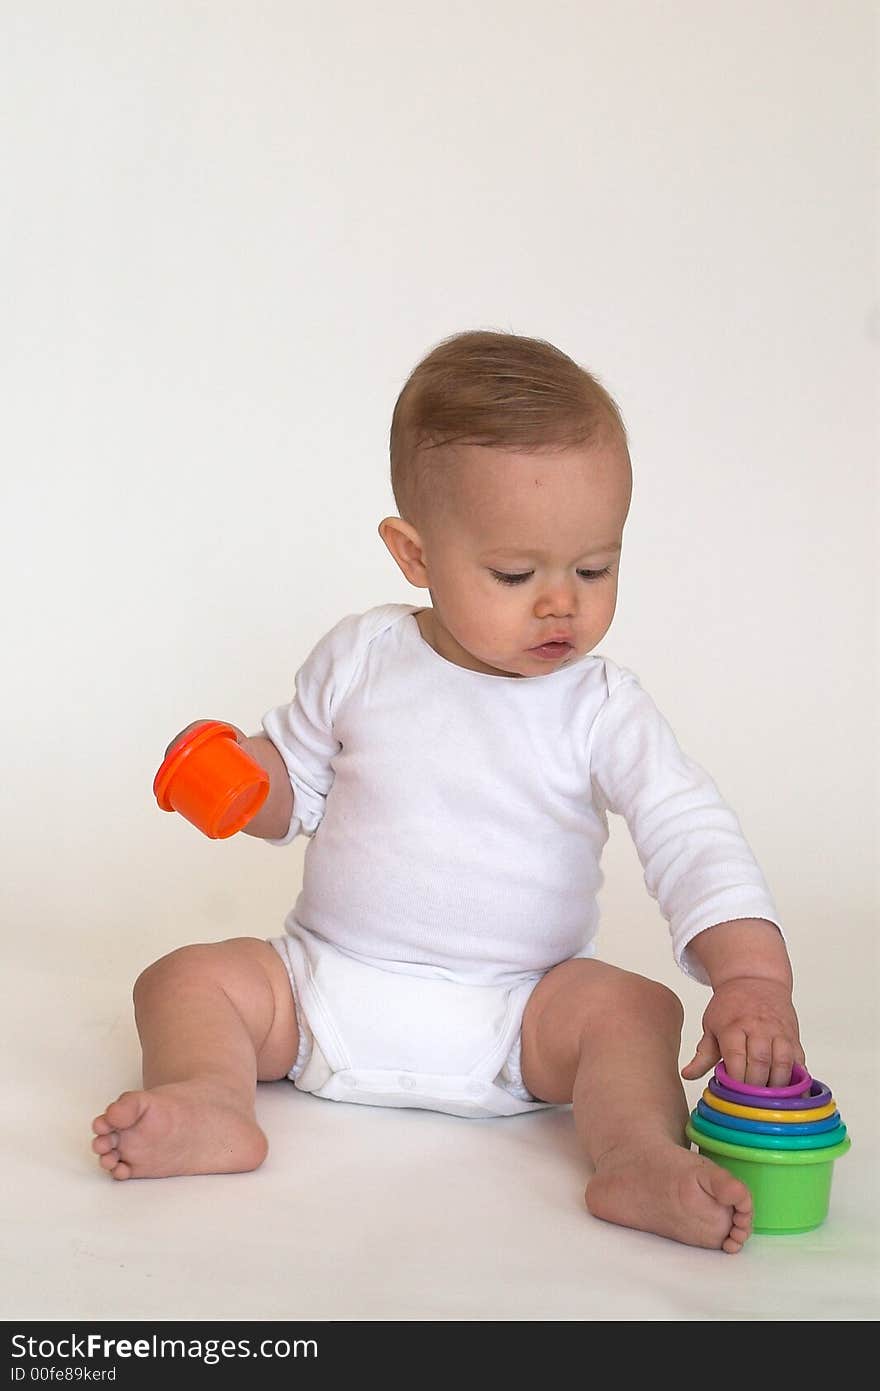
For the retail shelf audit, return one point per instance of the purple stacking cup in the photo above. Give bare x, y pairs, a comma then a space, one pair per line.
801, 1080
818, 1095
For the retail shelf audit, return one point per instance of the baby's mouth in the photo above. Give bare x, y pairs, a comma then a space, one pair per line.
551, 649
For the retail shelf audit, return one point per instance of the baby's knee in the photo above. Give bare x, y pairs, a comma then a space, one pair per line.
656, 999
194, 963
624, 994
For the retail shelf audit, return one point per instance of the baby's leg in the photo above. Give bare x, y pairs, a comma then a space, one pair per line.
608, 1041
213, 1020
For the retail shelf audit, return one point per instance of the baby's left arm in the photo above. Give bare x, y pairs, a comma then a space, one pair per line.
750, 1021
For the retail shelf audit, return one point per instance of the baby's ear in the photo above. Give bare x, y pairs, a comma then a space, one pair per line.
405, 545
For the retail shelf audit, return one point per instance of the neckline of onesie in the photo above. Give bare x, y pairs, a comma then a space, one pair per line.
468, 674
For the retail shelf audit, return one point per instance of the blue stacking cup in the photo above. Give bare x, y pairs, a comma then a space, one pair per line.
766, 1127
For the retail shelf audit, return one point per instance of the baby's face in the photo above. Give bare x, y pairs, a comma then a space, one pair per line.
526, 554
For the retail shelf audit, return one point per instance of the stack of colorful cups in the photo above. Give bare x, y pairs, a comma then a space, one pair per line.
780, 1141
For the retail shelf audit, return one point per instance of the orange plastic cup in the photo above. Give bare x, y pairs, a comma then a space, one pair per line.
209, 778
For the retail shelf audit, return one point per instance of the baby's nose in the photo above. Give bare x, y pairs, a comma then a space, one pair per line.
557, 600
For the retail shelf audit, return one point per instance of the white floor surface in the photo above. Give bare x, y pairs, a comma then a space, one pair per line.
363, 1213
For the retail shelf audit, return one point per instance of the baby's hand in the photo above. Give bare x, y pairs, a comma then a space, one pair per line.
749, 1022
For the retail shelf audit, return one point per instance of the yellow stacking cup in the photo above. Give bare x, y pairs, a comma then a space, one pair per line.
760, 1113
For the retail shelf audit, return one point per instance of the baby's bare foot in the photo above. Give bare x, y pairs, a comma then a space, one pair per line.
672, 1192
195, 1127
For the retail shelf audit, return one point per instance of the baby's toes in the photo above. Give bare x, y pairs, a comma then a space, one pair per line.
126, 1109
115, 1165
742, 1222
735, 1239
101, 1125
727, 1190
103, 1144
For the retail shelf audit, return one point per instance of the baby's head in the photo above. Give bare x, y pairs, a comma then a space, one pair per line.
510, 470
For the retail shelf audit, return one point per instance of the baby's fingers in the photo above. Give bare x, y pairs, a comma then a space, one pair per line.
785, 1055
768, 1061
733, 1045
759, 1062
707, 1055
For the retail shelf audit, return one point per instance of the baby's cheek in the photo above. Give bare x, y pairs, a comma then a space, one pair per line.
605, 610
498, 628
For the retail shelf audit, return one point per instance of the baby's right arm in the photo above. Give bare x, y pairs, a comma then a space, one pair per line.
273, 818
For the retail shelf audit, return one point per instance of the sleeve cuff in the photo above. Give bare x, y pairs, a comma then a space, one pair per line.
687, 961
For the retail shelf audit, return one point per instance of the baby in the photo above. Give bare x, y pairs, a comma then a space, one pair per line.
454, 766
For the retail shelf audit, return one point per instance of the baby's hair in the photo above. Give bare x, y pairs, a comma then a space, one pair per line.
499, 390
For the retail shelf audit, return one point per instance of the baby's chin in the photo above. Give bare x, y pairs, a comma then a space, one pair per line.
491, 664
527, 664
518, 663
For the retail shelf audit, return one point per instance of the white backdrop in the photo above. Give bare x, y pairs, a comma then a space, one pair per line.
232, 230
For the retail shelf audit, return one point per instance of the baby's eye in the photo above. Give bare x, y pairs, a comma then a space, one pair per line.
595, 574
504, 578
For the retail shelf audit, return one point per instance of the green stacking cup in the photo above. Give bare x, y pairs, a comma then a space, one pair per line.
790, 1188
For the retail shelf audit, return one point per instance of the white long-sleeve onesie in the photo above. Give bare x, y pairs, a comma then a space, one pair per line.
457, 819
